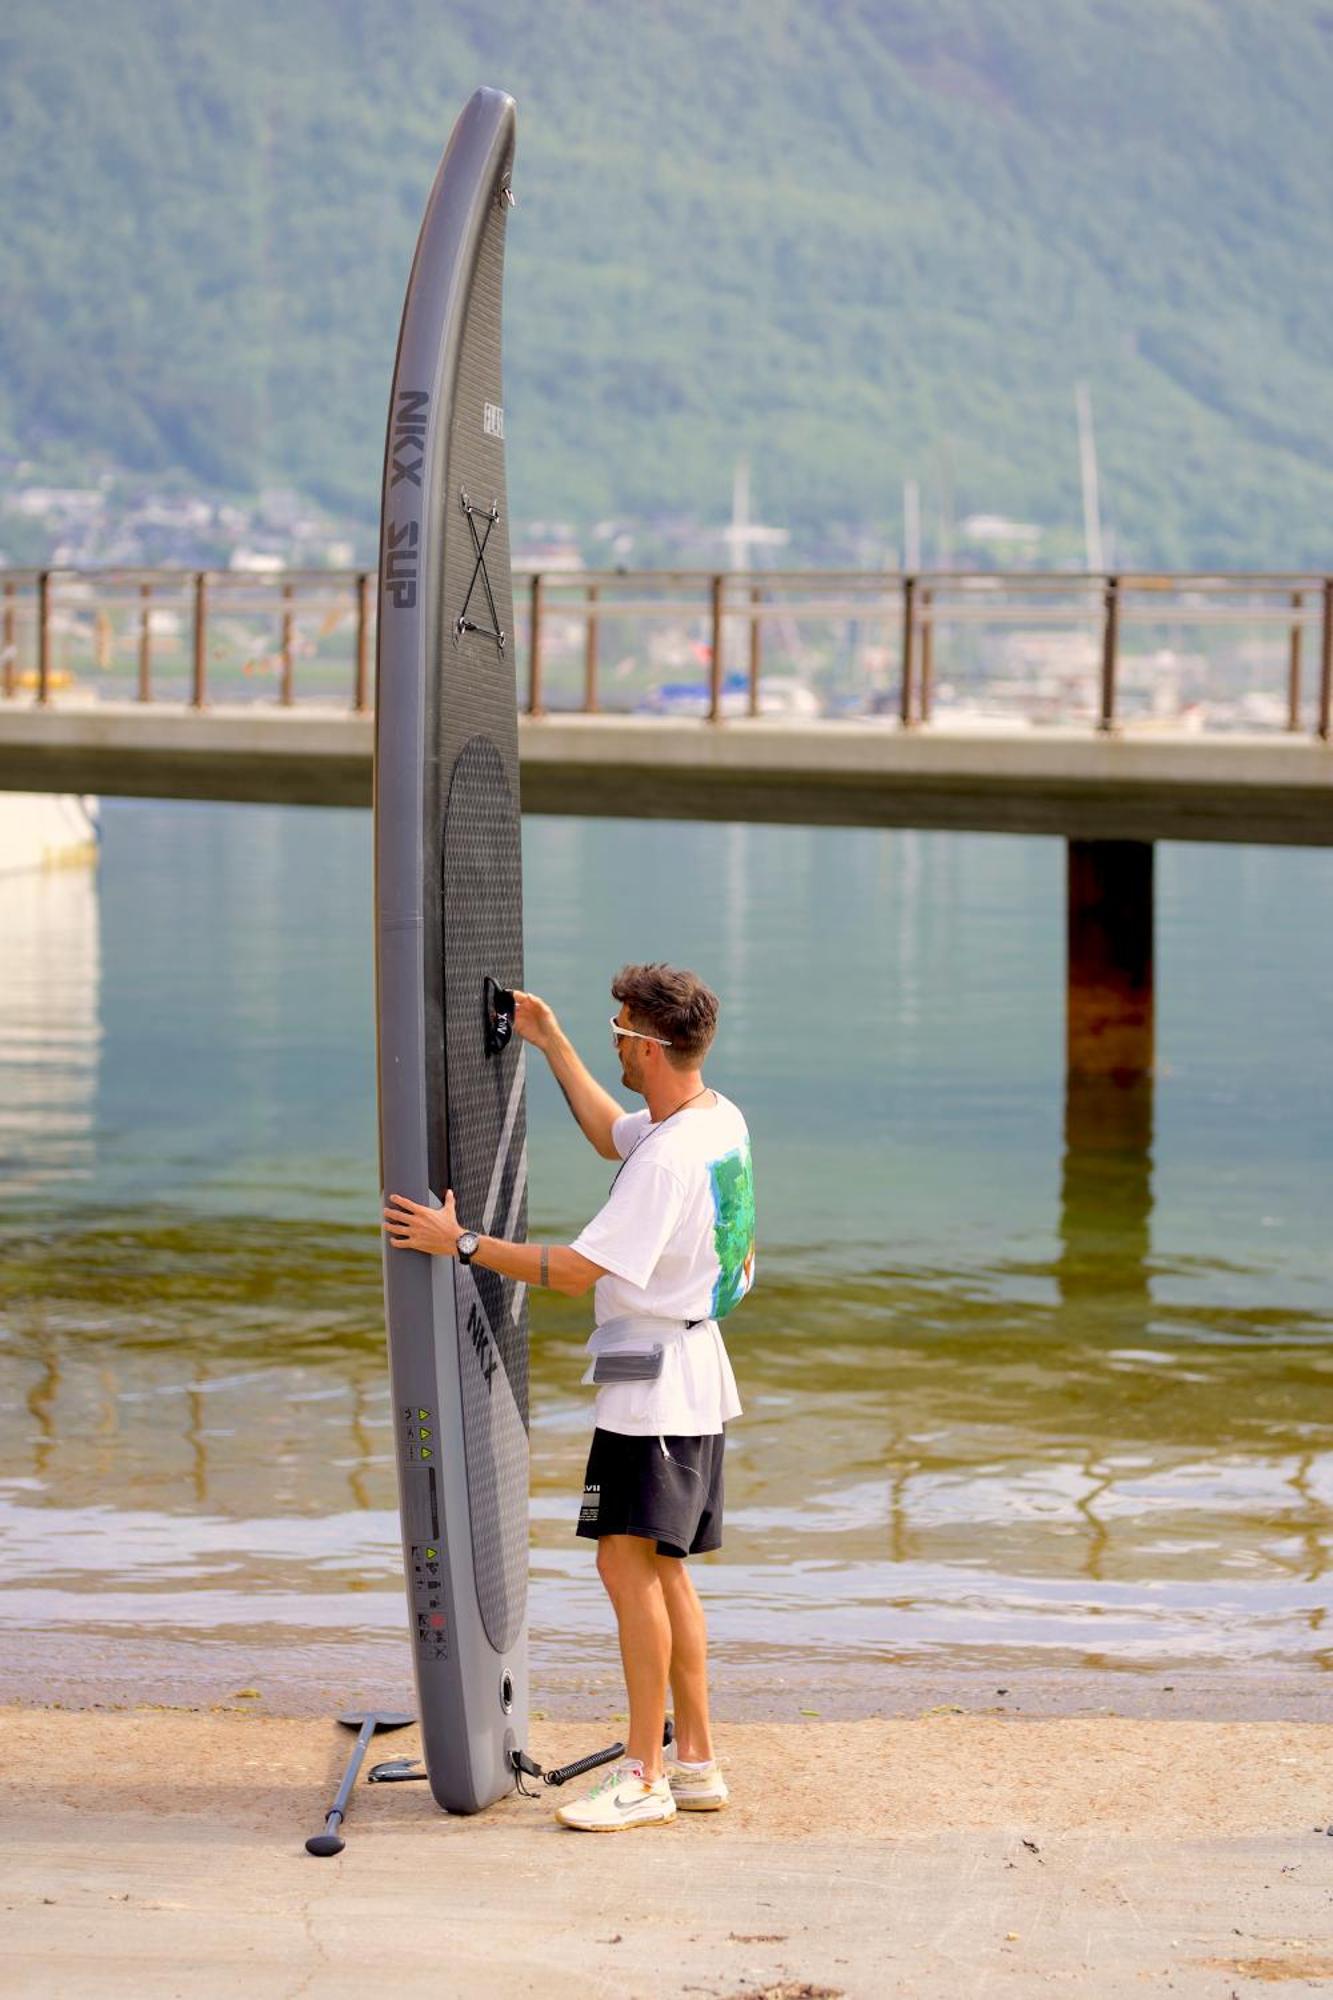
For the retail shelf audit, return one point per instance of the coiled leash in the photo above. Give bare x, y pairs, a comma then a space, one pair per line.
401, 1770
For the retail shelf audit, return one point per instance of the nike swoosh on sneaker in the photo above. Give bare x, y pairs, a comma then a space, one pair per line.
628, 1805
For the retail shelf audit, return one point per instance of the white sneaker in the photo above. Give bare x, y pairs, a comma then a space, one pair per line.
622, 1799
700, 1789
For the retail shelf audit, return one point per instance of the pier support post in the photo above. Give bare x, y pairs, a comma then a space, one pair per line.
1109, 1005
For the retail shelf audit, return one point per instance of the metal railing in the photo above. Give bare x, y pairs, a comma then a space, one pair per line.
210, 635
170, 617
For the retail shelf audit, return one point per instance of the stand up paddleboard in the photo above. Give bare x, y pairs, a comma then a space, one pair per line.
449, 950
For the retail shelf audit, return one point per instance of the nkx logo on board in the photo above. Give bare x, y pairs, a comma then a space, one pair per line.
408, 453
482, 1344
402, 537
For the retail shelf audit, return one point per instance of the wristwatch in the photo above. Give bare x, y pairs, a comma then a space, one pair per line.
466, 1246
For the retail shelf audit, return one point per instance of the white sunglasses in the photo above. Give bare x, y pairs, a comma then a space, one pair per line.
633, 1035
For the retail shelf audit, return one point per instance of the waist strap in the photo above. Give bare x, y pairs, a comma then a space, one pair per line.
638, 1330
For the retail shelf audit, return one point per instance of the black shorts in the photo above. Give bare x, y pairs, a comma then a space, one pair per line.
668, 1490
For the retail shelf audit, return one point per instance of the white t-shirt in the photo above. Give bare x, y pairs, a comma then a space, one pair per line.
676, 1240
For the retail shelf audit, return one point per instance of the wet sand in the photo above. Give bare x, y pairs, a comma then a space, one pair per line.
330, 1672
160, 1852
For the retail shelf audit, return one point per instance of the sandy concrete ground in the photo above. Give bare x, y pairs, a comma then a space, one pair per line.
160, 1853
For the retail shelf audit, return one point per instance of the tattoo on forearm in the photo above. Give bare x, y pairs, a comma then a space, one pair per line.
546, 1263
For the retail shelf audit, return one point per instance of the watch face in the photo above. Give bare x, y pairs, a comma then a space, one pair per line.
467, 1243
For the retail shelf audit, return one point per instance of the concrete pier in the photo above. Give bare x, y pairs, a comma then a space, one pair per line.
1111, 796
1063, 781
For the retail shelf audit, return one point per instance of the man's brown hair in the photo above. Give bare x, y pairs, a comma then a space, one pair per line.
676, 1005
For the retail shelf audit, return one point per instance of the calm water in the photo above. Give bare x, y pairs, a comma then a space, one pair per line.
1027, 1382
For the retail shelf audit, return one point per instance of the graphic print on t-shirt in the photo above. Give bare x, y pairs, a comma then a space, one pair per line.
732, 1181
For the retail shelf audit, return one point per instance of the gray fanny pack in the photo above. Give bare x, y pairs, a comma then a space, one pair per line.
641, 1364
625, 1350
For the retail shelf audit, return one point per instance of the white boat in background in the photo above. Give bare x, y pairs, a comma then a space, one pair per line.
779, 695
46, 830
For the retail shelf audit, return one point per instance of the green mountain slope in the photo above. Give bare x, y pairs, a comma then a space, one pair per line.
863, 242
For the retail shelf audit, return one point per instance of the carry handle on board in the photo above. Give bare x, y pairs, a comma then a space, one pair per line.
497, 1015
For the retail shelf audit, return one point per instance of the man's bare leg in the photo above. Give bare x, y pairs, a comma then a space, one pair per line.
628, 1566
689, 1660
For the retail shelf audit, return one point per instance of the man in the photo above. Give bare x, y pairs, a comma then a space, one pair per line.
670, 1254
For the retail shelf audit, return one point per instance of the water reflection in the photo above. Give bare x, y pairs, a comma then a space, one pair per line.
1106, 1193
50, 1032
40, 1403
1006, 1398
920, 1475
1106, 1246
